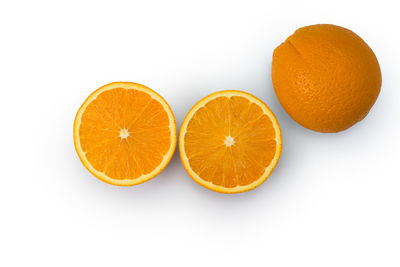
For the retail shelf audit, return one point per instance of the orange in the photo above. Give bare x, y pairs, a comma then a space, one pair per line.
125, 133
230, 142
326, 77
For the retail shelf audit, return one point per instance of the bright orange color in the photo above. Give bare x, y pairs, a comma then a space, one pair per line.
326, 77
230, 142
125, 133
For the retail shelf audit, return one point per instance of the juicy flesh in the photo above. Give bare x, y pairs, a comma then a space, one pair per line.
125, 133
230, 141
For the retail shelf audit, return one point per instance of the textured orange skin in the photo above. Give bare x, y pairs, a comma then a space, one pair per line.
326, 77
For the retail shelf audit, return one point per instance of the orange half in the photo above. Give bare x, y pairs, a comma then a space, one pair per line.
125, 133
230, 142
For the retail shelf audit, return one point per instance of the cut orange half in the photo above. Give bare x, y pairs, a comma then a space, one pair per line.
125, 133
230, 142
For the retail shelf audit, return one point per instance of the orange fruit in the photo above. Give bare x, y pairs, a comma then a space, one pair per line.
326, 77
125, 133
230, 142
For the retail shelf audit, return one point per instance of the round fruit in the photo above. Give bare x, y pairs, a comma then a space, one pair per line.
230, 142
125, 133
326, 77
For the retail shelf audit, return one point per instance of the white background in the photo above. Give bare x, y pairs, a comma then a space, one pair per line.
333, 200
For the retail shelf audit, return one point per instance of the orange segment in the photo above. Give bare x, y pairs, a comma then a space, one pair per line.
230, 142
125, 133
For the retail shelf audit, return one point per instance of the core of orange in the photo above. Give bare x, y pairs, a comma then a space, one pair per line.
230, 142
125, 133
326, 77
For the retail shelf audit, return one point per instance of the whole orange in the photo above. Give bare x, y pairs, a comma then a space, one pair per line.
326, 77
